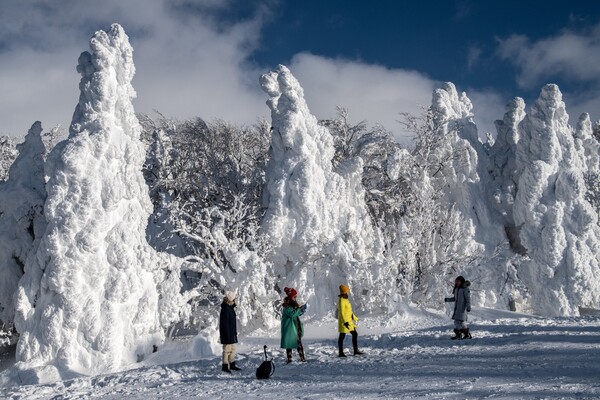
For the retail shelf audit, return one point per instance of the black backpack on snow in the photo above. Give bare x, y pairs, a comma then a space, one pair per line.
266, 369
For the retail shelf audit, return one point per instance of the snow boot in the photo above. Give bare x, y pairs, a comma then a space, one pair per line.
457, 334
466, 333
226, 368
357, 352
232, 367
301, 354
342, 354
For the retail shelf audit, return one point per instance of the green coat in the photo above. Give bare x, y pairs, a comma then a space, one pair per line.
290, 322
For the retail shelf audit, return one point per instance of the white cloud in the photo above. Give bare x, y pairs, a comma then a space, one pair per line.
189, 64
570, 55
186, 65
369, 92
579, 103
473, 56
488, 106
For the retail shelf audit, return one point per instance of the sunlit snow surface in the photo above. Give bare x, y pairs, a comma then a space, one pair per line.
409, 355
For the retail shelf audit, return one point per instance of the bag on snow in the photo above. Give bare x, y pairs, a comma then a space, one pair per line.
266, 369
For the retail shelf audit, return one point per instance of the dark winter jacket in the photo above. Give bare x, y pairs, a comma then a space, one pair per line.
462, 302
227, 324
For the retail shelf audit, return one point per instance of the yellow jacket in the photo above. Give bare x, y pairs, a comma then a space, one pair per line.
345, 315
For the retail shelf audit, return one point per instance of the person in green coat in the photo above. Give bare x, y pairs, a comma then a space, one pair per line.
346, 323
292, 329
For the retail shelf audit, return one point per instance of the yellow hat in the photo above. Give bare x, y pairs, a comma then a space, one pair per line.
344, 289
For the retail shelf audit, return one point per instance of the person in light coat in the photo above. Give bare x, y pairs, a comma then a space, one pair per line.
461, 296
346, 319
292, 328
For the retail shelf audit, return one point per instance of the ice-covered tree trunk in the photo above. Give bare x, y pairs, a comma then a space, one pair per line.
558, 226
502, 169
316, 218
589, 148
95, 296
22, 199
587, 144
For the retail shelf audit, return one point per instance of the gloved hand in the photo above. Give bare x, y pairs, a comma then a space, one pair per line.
347, 325
468, 310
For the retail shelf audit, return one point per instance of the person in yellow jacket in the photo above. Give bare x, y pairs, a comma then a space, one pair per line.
346, 320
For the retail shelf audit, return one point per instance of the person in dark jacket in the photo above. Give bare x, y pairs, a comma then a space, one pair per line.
461, 296
228, 332
292, 329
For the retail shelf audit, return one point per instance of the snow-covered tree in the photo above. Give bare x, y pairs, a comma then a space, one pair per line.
558, 225
22, 199
589, 148
206, 183
316, 219
443, 173
8, 153
95, 296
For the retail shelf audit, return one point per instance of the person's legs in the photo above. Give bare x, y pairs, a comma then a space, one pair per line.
341, 344
458, 326
232, 365
355, 343
301, 349
226, 357
288, 353
465, 331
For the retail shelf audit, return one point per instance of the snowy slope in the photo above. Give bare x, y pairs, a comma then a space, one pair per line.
408, 355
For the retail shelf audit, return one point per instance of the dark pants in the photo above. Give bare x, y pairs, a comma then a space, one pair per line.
354, 341
288, 352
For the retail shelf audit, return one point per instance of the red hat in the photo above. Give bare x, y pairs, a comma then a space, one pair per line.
290, 292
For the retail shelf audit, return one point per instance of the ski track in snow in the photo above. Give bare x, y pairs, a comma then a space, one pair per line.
524, 357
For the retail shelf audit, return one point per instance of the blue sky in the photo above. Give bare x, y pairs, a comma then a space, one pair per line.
377, 58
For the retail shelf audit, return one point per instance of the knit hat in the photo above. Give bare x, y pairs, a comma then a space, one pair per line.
230, 296
344, 289
290, 292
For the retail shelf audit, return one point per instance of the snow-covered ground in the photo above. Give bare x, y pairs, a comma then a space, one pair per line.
409, 355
